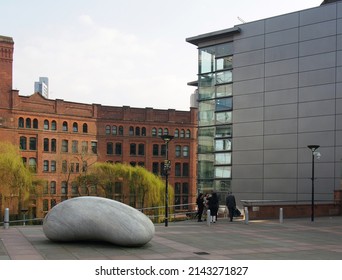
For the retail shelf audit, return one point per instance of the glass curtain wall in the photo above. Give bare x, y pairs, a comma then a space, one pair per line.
215, 76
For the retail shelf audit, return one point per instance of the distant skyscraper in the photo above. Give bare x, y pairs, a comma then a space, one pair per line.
42, 86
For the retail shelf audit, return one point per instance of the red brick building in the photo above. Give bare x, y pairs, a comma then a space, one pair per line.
58, 139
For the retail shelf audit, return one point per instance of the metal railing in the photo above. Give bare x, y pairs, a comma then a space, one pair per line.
156, 214
260, 202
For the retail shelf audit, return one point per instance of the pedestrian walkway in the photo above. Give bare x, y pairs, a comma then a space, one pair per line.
294, 239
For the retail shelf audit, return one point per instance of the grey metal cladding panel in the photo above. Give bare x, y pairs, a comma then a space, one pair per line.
326, 138
280, 196
317, 77
339, 138
247, 87
339, 122
319, 14
281, 97
249, 44
282, 22
250, 29
316, 108
339, 42
281, 52
339, 58
339, 106
322, 185
281, 67
248, 129
287, 111
280, 170
282, 141
248, 186
248, 157
281, 82
339, 26
312, 124
339, 74
281, 38
338, 90
280, 126
338, 159
246, 171
322, 170
248, 115
318, 61
248, 72
280, 187
280, 156
248, 58
248, 143
318, 30
319, 92
248, 100
339, 10
322, 45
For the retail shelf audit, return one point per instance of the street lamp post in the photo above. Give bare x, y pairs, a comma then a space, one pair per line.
313, 148
167, 166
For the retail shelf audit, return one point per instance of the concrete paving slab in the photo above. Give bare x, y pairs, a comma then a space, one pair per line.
294, 239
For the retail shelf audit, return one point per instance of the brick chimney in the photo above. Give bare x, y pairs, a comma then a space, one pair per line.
6, 62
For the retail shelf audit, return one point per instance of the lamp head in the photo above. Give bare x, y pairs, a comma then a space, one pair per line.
167, 138
313, 147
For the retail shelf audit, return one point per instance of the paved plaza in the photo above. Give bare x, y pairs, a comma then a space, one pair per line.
294, 239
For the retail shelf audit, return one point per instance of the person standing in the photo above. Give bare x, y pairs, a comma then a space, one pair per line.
213, 205
200, 206
231, 205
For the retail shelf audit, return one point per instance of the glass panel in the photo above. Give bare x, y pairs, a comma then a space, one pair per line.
53, 125
224, 49
205, 185
224, 77
206, 80
206, 59
224, 104
224, 63
224, 90
223, 171
224, 117
223, 185
223, 145
205, 144
205, 166
206, 113
206, 93
223, 158
224, 131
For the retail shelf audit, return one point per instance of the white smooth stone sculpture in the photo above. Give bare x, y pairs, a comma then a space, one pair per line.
98, 219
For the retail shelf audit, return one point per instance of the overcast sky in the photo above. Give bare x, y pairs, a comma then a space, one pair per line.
127, 52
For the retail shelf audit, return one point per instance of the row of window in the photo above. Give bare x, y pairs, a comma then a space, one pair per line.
50, 145
51, 165
51, 188
139, 149
141, 131
47, 125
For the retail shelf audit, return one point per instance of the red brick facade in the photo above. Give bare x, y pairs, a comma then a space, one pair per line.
56, 135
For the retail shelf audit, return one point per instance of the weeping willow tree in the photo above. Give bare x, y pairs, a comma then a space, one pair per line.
16, 180
144, 189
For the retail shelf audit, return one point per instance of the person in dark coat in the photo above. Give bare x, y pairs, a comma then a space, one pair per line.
231, 205
213, 204
200, 206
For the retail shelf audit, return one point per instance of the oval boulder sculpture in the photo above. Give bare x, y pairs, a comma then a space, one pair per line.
97, 219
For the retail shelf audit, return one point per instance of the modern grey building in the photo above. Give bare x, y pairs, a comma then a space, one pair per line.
42, 86
266, 90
